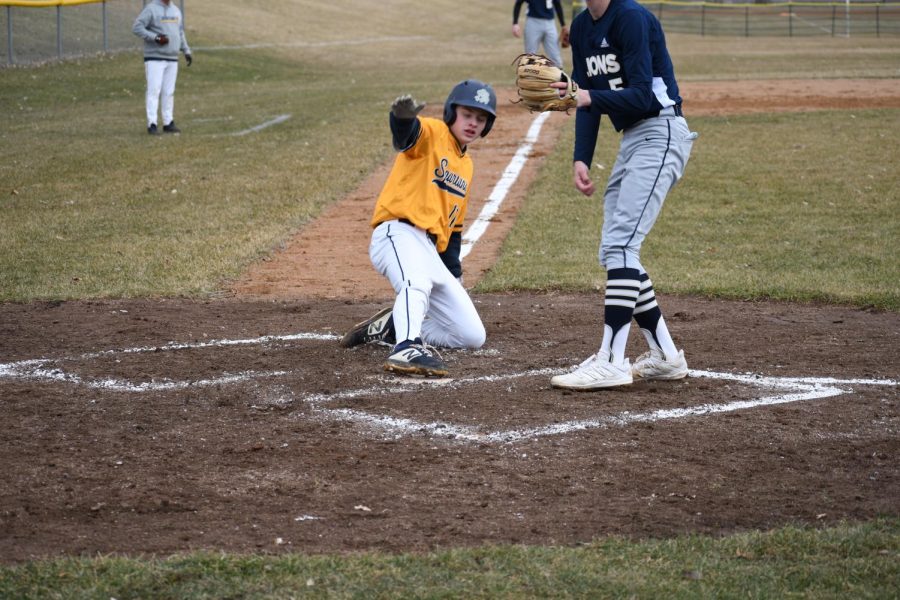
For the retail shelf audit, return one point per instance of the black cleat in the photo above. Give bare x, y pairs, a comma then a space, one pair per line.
379, 328
152, 130
170, 128
412, 357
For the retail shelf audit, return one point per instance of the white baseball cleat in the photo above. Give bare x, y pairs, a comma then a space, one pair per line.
653, 365
595, 373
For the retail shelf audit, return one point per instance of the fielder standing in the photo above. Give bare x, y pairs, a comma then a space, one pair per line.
540, 27
417, 235
161, 27
621, 63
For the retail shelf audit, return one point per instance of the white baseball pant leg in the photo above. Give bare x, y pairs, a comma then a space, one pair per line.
161, 77
430, 302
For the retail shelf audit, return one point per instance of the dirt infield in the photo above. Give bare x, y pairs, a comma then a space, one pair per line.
161, 426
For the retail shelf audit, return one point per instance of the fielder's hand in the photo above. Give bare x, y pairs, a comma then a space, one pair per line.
161, 39
564, 37
582, 178
188, 59
406, 107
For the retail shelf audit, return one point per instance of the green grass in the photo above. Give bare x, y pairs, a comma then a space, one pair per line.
799, 206
768, 208
847, 561
94, 208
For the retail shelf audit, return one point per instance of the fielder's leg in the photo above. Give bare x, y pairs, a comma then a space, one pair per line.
608, 367
663, 360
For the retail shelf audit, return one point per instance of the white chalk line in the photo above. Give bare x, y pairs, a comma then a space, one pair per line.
797, 389
502, 187
261, 126
41, 369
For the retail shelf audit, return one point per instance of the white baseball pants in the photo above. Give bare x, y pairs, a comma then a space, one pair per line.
431, 303
161, 76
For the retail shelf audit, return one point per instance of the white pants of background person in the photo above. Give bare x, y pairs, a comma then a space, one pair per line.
161, 76
542, 30
431, 303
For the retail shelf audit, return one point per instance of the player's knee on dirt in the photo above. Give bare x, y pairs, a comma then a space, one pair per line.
473, 337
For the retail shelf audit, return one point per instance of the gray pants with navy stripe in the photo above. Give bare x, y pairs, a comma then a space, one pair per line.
652, 158
543, 31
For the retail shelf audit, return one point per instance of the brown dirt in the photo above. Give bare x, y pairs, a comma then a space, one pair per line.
247, 439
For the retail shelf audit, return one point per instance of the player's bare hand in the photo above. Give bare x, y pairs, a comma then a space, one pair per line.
582, 178
517, 31
582, 96
162, 39
406, 107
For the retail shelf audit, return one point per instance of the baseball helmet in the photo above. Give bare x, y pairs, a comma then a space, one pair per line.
473, 94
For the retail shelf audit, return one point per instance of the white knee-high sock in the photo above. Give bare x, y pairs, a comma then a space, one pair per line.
650, 319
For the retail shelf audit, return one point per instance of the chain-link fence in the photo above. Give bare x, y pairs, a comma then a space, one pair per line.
845, 19
40, 30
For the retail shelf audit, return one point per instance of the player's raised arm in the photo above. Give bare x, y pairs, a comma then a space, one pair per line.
404, 120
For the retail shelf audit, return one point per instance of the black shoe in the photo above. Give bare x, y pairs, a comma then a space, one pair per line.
170, 128
152, 130
412, 357
379, 328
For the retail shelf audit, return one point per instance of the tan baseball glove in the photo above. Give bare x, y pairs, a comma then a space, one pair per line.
534, 74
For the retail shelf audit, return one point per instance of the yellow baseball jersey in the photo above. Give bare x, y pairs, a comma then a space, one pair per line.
428, 184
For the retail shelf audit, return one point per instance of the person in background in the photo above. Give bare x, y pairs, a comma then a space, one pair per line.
540, 28
161, 26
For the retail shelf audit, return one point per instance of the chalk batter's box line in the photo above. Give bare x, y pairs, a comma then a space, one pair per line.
797, 389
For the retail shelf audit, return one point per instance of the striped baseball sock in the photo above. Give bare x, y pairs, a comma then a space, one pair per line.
650, 319
622, 288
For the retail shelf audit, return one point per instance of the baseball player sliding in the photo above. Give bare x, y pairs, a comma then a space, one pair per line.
417, 235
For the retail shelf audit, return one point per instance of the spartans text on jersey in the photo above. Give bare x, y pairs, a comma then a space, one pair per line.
449, 181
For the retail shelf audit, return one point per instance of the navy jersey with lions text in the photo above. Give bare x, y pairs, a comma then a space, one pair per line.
629, 79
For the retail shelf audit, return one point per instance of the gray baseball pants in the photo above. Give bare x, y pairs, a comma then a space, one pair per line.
539, 31
652, 158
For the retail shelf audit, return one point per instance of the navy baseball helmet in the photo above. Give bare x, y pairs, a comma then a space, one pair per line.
473, 94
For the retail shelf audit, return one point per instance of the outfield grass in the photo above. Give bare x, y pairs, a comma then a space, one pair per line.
799, 207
